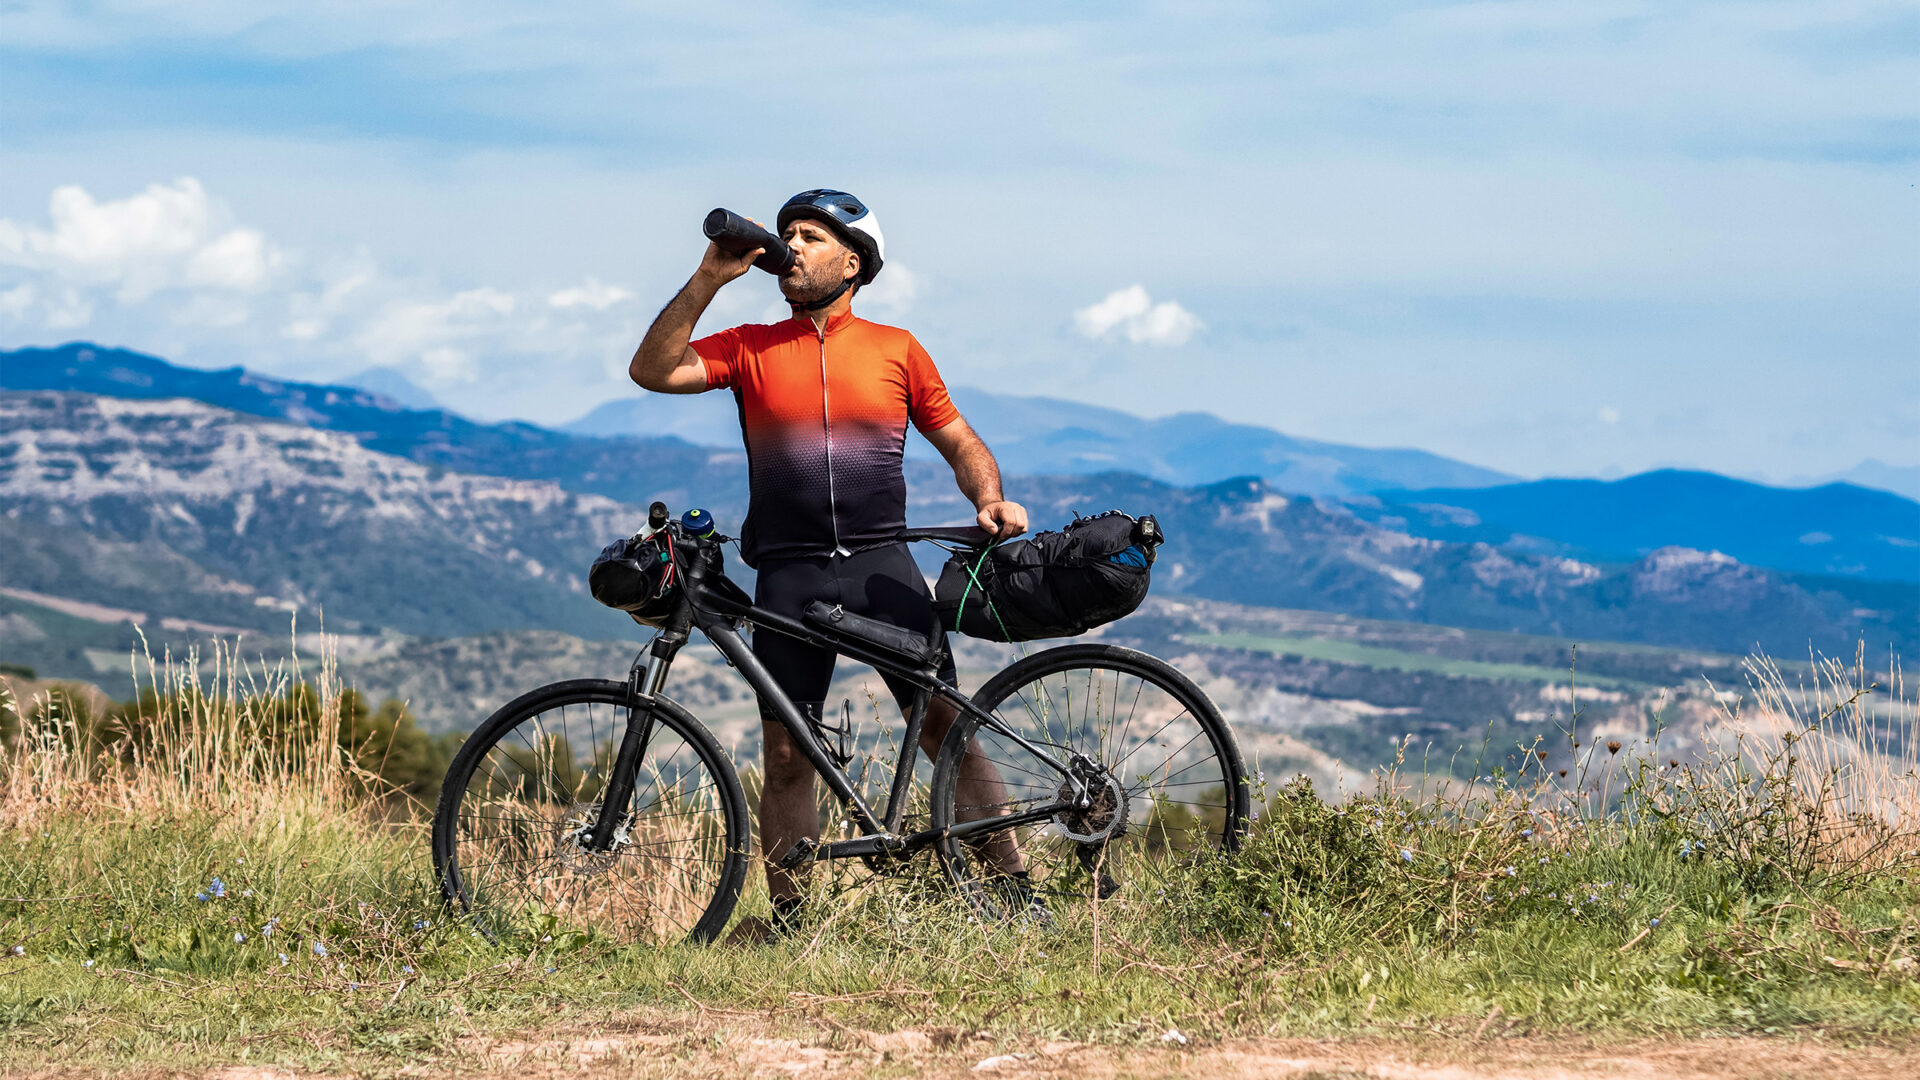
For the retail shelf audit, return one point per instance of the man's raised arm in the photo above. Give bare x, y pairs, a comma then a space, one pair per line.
665, 361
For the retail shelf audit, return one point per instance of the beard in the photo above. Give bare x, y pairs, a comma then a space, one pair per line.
807, 286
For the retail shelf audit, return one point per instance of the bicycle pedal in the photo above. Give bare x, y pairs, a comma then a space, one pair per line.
801, 851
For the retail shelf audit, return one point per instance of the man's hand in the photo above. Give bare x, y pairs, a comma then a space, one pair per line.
718, 267
1003, 519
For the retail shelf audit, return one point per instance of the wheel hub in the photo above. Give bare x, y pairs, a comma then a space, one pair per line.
1105, 815
573, 835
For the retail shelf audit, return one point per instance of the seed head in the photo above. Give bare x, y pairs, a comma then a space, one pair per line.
1613, 746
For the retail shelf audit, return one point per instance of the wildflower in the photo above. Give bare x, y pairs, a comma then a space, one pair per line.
283, 959
551, 969
406, 969
1655, 921
202, 896
239, 938
1526, 834
319, 949
1174, 1037
1509, 871
19, 950
1593, 898
241, 861
1543, 860
545, 938
352, 986
421, 924
218, 889
271, 925
86, 963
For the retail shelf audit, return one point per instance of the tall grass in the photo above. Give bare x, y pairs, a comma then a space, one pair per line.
1753, 867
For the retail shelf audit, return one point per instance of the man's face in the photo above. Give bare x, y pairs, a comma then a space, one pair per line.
821, 262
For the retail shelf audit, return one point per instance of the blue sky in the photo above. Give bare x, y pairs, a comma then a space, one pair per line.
1551, 238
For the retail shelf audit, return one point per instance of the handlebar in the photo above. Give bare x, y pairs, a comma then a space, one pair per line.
697, 524
736, 235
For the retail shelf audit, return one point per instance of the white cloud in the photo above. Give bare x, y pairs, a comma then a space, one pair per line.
1132, 313
168, 236
435, 333
1609, 415
592, 293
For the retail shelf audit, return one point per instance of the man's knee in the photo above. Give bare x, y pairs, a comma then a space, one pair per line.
784, 763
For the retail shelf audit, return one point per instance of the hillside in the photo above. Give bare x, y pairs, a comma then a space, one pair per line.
231, 516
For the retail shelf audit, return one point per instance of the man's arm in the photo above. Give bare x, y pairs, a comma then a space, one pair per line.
665, 363
979, 478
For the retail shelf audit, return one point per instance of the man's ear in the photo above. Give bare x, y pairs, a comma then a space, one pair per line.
854, 257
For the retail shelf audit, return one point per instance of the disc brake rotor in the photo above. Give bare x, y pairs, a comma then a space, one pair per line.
571, 837
1105, 817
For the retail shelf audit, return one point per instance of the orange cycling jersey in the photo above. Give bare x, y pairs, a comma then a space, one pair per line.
824, 415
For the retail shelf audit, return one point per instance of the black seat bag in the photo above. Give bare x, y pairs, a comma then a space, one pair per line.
1052, 584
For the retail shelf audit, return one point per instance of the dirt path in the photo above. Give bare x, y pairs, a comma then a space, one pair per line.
740, 1047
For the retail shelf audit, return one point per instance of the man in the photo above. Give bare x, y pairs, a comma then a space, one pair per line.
825, 399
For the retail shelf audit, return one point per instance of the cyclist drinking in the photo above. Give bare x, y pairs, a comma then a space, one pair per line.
825, 399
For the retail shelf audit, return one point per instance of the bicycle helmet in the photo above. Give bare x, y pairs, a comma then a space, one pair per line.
849, 219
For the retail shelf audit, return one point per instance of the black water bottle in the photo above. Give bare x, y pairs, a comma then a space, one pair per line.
736, 235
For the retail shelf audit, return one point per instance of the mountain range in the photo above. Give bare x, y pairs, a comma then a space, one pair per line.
686, 449
230, 519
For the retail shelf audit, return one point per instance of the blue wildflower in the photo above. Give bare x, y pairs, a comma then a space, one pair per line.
1527, 833
1406, 855
239, 938
1655, 921
421, 924
319, 949
218, 889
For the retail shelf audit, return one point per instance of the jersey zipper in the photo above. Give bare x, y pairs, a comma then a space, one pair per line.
826, 428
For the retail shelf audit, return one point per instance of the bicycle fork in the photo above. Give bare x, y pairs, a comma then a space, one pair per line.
642, 684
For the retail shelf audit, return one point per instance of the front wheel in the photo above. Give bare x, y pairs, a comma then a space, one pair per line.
1143, 773
512, 843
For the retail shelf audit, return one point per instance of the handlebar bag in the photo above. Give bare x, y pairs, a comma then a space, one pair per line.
635, 575
1052, 584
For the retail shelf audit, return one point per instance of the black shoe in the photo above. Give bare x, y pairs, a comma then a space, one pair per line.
1020, 901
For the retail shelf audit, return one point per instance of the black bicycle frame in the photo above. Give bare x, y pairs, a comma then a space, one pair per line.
716, 615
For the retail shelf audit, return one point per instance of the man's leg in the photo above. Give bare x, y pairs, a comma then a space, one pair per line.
887, 586
789, 809
980, 791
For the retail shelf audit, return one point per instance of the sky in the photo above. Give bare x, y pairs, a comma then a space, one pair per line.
1550, 238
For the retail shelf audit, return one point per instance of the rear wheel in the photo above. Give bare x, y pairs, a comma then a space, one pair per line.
1149, 763
510, 836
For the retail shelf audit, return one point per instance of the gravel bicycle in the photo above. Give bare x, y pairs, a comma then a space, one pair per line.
607, 804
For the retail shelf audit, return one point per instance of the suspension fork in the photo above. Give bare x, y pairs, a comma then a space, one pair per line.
643, 683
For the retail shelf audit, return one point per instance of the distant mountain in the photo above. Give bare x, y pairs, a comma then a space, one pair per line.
1050, 436
395, 387
629, 469
1873, 473
1838, 530
179, 508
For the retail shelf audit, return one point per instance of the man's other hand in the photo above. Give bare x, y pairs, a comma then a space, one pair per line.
1003, 519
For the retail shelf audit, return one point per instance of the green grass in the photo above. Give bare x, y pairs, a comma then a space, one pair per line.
1373, 656
1669, 903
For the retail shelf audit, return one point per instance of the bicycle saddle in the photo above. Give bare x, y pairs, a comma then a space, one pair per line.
971, 535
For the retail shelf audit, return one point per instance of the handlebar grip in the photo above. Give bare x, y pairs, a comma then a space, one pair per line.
657, 516
736, 235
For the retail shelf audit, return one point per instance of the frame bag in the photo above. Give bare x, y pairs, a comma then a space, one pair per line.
1052, 584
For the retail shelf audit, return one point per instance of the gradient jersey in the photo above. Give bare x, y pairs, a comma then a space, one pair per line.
824, 415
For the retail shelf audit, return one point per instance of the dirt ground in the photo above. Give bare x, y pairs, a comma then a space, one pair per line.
739, 1046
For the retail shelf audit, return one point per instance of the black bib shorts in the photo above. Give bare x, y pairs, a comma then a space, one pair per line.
881, 583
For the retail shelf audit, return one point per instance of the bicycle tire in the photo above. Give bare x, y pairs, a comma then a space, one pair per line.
520, 870
1159, 822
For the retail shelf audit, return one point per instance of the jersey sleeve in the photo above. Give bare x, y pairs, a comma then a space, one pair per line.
721, 355
927, 402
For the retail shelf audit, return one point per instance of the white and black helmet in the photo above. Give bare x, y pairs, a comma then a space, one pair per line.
849, 219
